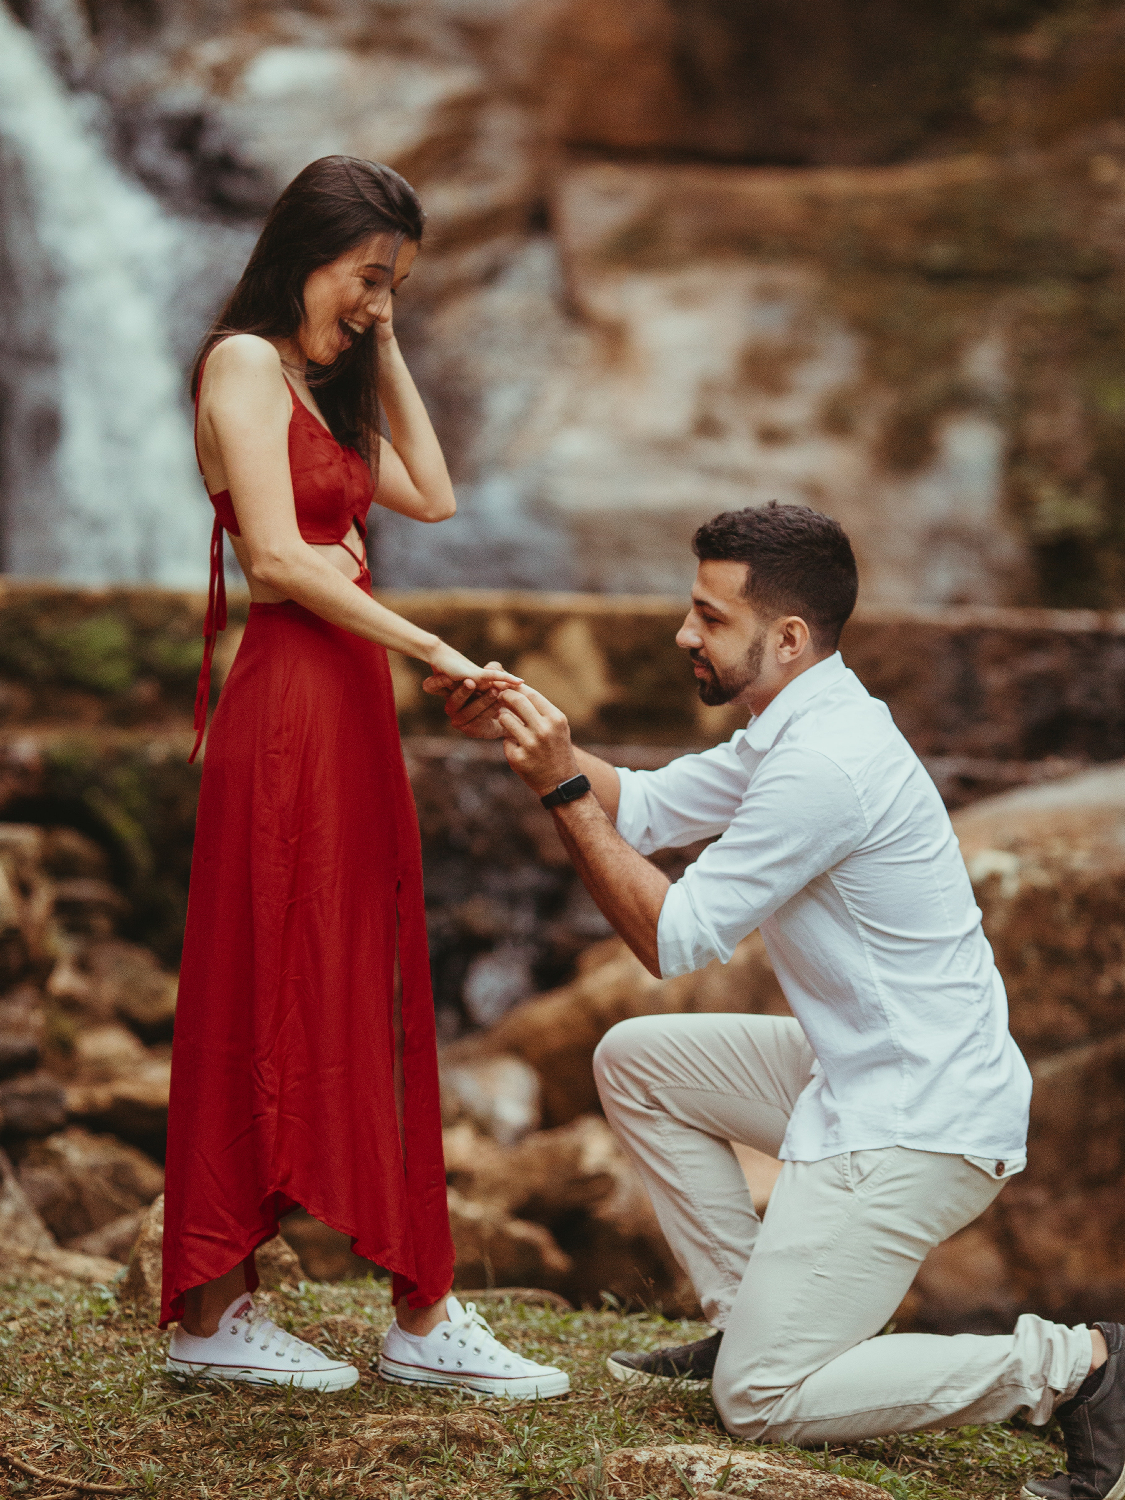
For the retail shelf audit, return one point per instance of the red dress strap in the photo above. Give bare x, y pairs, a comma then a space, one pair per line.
215, 620
216, 617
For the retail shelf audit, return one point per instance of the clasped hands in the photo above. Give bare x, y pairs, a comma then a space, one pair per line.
536, 734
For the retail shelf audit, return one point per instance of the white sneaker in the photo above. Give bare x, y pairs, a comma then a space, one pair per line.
249, 1347
463, 1351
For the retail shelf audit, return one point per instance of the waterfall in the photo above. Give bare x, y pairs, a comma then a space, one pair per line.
97, 473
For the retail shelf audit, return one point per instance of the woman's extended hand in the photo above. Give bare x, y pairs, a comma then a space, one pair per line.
471, 710
445, 661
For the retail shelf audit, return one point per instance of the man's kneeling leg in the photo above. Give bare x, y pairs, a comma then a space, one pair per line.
839, 1248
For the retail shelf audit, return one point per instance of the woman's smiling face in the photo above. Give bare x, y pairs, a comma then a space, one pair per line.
344, 298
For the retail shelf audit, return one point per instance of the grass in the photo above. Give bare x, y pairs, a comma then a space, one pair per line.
83, 1396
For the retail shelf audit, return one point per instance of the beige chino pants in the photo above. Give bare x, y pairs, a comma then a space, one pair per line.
802, 1292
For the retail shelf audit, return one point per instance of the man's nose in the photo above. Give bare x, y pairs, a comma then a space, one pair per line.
688, 637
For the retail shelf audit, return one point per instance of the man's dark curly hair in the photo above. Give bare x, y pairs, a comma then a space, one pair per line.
799, 563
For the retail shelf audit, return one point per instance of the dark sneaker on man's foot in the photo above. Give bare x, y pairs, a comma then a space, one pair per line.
1093, 1429
682, 1362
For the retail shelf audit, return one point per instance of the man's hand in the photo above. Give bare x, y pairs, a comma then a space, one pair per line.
536, 739
469, 707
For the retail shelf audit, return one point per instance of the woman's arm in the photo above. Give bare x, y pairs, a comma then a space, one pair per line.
247, 406
413, 478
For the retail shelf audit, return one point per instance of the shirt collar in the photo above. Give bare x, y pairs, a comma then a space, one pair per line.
761, 733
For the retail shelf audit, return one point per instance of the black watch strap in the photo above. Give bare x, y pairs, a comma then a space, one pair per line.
567, 791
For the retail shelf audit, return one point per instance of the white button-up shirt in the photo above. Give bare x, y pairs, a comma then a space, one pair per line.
835, 844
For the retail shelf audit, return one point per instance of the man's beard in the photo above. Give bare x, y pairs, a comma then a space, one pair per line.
720, 688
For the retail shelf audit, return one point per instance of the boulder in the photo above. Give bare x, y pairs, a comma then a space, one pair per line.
20, 1224
80, 1182
277, 1265
133, 1105
660, 1474
32, 1105
1048, 867
129, 983
323, 1253
493, 1248
557, 1033
27, 1248
596, 1228
100, 1053
113, 1241
142, 1281
498, 1094
89, 906
21, 1030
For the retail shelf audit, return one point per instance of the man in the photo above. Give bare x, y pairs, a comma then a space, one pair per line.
896, 1100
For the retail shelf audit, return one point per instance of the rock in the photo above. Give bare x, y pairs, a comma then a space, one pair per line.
113, 1241
27, 1248
133, 1106
130, 984
277, 1265
576, 1186
495, 981
500, 1095
557, 1033
492, 1247
32, 1105
324, 1254
66, 854
142, 1282
100, 1054
20, 1224
80, 1182
57, 1266
1048, 867
659, 1474
21, 1030
85, 905
406, 1438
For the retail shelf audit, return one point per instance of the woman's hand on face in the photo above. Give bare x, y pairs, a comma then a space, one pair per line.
385, 319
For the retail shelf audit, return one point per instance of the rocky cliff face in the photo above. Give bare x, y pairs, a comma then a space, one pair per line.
682, 255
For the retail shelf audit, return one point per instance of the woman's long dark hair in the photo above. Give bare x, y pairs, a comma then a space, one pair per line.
328, 209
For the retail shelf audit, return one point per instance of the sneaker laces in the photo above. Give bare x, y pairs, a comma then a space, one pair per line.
473, 1326
256, 1328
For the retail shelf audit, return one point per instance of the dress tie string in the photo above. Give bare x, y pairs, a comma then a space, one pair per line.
215, 621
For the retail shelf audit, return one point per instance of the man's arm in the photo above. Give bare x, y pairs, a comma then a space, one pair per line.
628, 890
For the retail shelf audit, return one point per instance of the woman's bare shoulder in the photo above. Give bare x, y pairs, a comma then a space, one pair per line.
244, 376
245, 356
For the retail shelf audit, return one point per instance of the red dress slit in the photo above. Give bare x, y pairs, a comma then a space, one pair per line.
306, 877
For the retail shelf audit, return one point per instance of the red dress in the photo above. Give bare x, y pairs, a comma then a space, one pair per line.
306, 874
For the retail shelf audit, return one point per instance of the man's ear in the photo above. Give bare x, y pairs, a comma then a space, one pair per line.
794, 638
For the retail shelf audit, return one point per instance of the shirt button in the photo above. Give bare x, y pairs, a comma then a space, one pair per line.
999, 1169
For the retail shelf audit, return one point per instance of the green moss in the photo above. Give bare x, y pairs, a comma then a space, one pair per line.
96, 653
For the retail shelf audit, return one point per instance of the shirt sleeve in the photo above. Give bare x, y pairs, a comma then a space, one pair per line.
693, 797
798, 818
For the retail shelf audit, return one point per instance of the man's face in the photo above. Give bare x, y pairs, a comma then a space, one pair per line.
723, 636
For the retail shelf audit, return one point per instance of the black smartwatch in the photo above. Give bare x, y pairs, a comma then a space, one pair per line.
567, 791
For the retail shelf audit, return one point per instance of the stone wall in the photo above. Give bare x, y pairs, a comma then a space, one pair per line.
96, 692
971, 684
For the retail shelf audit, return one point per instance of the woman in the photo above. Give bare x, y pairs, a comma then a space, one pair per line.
302, 1072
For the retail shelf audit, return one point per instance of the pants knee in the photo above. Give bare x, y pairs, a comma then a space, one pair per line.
744, 1411
619, 1047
